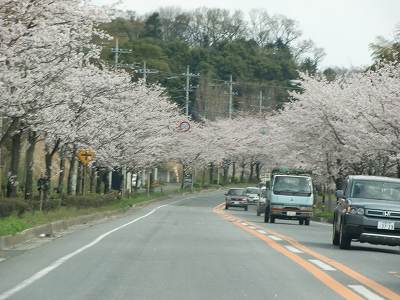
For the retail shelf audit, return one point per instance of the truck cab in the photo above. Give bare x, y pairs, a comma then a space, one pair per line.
290, 196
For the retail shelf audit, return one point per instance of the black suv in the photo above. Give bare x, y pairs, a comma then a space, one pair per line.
368, 211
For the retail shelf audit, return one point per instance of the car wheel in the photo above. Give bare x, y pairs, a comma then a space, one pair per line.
335, 235
266, 215
344, 239
301, 221
307, 222
271, 219
246, 208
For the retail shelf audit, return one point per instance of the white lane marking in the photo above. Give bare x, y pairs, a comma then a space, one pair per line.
38, 275
261, 231
322, 265
293, 249
252, 227
2, 259
275, 238
245, 224
363, 291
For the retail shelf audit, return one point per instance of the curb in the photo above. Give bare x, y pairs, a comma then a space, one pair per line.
11, 241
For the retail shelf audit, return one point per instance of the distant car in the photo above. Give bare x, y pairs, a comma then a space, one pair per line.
236, 197
261, 202
253, 194
368, 211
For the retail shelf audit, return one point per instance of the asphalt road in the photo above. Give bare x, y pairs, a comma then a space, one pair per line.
191, 248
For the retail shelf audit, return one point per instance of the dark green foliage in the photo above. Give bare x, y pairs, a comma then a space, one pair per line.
214, 43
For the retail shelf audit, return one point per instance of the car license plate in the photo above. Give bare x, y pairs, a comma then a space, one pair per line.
385, 225
291, 213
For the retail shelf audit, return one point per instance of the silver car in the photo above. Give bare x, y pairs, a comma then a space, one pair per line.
253, 194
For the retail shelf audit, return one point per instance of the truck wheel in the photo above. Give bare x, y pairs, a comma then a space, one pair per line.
246, 208
266, 215
335, 234
344, 239
307, 222
301, 221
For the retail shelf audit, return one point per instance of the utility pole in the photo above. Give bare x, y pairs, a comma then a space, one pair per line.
146, 71
117, 51
230, 97
261, 101
231, 94
188, 88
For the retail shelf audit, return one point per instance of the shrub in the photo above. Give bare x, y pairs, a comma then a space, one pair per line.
10, 206
90, 200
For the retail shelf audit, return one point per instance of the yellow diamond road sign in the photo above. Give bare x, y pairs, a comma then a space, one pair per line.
85, 156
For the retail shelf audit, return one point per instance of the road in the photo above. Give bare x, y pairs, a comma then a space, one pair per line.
191, 248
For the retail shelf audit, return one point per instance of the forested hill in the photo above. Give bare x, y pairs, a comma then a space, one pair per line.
263, 53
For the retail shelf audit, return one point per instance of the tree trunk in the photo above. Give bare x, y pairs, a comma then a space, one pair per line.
398, 168
79, 188
93, 176
203, 177
106, 181
12, 180
71, 188
48, 165
61, 175
47, 187
32, 137
251, 172
211, 169
258, 171
98, 181
183, 176
243, 166
233, 177
226, 171
151, 181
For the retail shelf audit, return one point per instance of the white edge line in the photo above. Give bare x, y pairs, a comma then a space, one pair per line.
322, 265
363, 291
261, 231
38, 275
293, 249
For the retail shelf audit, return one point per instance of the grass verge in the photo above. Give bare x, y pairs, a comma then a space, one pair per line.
14, 224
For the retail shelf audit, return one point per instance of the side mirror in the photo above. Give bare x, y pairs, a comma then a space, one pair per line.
339, 194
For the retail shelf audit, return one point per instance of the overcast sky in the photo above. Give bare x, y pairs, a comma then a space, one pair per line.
344, 28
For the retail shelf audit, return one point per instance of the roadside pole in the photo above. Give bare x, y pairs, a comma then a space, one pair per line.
261, 101
1, 161
188, 88
193, 178
231, 93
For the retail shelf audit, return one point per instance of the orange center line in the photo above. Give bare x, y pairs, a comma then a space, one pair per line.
330, 282
382, 290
